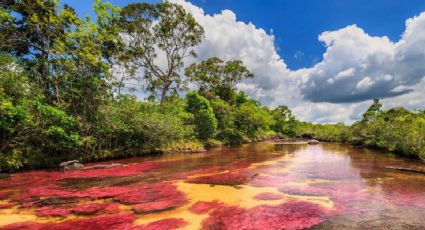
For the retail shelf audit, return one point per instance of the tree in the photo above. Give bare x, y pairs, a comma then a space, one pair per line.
215, 77
162, 28
204, 119
252, 119
92, 49
67, 57
30, 129
36, 31
373, 111
206, 75
285, 122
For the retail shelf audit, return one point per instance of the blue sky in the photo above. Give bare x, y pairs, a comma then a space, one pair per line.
296, 24
325, 59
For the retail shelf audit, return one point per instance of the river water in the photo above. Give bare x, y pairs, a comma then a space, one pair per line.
255, 186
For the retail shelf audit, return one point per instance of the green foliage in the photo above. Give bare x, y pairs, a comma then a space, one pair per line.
204, 119
252, 120
396, 129
174, 33
216, 78
225, 114
373, 111
323, 132
133, 127
284, 121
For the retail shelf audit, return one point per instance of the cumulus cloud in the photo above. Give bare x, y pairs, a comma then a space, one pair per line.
356, 67
228, 38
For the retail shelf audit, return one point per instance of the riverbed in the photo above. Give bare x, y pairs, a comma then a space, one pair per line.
255, 186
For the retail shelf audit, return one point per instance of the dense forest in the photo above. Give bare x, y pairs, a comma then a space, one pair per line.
68, 86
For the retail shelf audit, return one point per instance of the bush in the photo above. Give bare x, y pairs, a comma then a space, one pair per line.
251, 119
132, 127
204, 119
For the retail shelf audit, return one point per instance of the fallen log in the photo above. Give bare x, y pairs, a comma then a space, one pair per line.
406, 169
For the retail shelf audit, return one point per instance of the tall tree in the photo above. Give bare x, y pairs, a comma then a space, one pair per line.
373, 111
153, 30
215, 77
36, 31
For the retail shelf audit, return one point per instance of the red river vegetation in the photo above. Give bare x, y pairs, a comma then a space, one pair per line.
256, 186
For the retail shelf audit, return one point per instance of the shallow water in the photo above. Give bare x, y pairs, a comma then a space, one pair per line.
257, 186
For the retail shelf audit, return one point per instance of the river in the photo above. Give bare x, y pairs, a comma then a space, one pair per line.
255, 186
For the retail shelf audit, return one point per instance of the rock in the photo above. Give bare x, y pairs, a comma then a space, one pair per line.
114, 165
313, 142
4, 175
71, 165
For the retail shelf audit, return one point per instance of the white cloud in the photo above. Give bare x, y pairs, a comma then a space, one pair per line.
227, 38
365, 84
356, 67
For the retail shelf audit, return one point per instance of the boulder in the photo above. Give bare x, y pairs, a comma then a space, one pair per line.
71, 165
313, 142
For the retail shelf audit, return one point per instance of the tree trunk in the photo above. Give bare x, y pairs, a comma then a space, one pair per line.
164, 91
56, 84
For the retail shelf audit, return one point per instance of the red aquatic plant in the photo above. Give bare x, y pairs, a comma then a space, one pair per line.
137, 193
237, 177
290, 215
202, 207
268, 196
268, 181
84, 209
149, 193
5, 195
169, 224
121, 222
94, 208
159, 205
48, 211
6, 206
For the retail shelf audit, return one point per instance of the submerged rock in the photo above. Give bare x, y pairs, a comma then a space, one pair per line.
114, 165
71, 165
313, 142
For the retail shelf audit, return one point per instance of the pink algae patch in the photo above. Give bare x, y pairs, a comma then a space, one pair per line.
159, 205
268, 181
236, 177
202, 207
290, 215
90, 209
268, 196
5, 195
6, 206
84, 209
171, 223
215, 169
121, 222
48, 211
151, 193
138, 193
21, 180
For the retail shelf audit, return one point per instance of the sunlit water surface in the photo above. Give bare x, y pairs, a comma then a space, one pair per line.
256, 186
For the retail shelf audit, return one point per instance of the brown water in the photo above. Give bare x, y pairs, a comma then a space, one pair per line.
257, 186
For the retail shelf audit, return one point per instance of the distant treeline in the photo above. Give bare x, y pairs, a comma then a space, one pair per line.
396, 129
